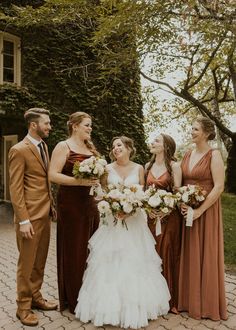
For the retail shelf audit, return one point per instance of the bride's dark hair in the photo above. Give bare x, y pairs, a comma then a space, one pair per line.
128, 143
169, 152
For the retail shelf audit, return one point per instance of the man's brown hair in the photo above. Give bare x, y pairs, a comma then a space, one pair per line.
33, 114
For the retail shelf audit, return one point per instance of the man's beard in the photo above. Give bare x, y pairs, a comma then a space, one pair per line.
41, 133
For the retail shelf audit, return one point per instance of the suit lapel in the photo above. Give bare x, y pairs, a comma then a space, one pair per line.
34, 150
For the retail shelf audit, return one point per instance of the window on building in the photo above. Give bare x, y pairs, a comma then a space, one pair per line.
10, 59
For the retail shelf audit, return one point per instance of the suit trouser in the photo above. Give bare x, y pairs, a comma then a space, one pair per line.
31, 263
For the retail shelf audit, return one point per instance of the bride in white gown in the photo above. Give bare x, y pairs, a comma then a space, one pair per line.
123, 284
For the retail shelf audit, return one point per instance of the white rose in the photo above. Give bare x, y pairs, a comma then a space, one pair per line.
191, 188
182, 189
169, 201
127, 207
200, 198
115, 206
104, 207
114, 194
100, 169
102, 162
185, 197
161, 192
154, 201
82, 169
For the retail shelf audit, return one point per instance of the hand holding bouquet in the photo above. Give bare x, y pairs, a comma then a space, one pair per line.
192, 196
121, 201
90, 168
158, 203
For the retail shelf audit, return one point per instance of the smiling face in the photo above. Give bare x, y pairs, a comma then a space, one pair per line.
83, 129
119, 149
198, 134
41, 127
157, 145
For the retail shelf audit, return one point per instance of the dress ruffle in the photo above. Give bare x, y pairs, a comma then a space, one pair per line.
123, 285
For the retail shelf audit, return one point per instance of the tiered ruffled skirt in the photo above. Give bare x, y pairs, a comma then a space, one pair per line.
123, 284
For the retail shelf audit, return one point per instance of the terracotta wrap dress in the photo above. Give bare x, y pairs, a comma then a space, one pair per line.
201, 285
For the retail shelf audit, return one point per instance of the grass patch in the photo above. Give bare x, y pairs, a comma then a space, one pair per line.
229, 219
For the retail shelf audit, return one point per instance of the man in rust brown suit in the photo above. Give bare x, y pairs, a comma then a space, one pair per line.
33, 206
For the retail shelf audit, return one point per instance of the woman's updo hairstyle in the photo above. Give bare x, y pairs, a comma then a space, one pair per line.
128, 143
208, 126
77, 118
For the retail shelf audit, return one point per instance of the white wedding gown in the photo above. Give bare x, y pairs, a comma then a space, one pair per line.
123, 284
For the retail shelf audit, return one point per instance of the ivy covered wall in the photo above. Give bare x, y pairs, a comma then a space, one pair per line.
61, 72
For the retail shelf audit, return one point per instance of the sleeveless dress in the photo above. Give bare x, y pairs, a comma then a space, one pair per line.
168, 243
78, 218
122, 284
201, 286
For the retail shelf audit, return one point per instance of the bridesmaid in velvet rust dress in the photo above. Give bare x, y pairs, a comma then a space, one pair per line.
201, 286
165, 173
78, 216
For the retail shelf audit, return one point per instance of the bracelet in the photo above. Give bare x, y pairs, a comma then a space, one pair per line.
24, 222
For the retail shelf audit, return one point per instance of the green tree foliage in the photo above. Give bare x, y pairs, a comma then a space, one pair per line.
194, 38
66, 73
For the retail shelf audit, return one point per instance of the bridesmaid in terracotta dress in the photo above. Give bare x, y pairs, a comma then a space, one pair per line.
165, 173
201, 285
78, 216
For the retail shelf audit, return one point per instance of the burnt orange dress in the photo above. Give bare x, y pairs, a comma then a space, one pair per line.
168, 243
78, 218
201, 283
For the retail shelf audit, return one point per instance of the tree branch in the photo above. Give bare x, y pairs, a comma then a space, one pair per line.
159, 82
190, 68
207, 63
204, 110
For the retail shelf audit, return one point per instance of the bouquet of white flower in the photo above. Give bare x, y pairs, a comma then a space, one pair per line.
121, 201
92, 167
160, 202
193, 196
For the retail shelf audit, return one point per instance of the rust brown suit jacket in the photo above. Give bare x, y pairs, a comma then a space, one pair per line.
29, 185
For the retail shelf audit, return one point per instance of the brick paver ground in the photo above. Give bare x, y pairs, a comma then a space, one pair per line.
56, 320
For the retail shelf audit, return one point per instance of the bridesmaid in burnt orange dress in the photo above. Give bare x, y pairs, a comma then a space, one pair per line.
78, 216
201, 285
165, 173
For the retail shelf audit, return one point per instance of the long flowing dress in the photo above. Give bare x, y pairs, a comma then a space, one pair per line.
168, 243
78, 218
122, 284
201, 286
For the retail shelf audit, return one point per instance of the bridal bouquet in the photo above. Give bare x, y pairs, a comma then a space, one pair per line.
193, 196
121, 202
161, 202
92, 167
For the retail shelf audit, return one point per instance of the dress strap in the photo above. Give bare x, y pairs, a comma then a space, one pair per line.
68, 145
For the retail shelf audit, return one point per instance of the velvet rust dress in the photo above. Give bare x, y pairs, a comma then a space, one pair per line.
168, 243
78, 219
